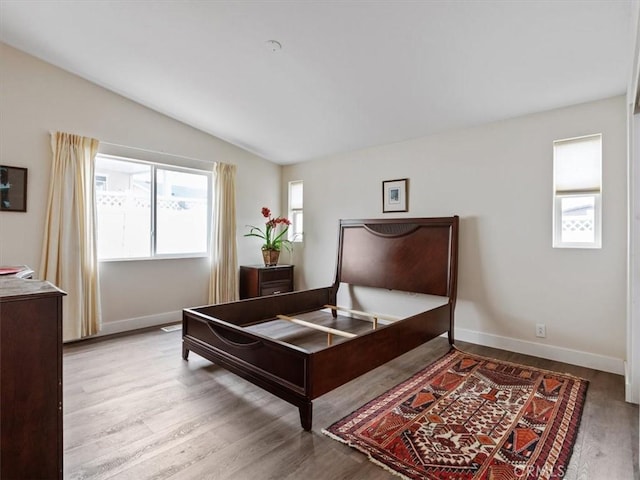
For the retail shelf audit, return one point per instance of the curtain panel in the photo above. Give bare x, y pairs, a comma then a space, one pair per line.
223, 284
69, 251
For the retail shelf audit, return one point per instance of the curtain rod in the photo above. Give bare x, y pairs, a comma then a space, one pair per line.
210, 162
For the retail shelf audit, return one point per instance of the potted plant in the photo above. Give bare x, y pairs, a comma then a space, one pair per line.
274, 236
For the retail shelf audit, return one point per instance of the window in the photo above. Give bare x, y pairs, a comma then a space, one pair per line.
149, 210
577, 181
295, 211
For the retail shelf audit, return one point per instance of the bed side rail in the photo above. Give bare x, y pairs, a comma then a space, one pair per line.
256, 310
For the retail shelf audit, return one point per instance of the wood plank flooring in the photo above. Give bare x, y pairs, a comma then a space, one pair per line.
133, 409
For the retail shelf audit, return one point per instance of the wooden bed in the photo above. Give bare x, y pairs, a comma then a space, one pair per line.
267, 340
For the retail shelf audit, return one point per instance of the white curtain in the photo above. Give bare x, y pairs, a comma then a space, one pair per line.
223, 285
69, 252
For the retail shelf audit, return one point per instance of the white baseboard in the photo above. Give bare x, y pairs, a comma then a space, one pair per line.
550, 352
128, 324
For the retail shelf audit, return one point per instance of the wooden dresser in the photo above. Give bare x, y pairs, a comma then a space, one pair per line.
258, 280
30, 379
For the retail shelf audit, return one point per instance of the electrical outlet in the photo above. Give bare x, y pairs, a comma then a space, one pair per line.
541, 330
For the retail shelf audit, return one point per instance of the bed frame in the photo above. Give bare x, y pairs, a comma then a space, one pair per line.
412, 255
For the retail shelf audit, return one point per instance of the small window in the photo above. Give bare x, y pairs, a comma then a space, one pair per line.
295, 211
147, 210
577, 187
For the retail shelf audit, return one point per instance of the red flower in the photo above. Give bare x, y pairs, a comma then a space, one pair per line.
273, 240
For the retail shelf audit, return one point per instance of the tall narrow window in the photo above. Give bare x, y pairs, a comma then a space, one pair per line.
577, 187
295, 211
149, 210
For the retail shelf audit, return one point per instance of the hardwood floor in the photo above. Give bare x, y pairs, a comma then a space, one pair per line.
133, 409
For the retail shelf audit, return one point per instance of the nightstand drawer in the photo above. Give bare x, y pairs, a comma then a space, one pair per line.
274, 274
272, 288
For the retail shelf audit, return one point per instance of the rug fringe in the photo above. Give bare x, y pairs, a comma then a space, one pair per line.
335, 437
371, 459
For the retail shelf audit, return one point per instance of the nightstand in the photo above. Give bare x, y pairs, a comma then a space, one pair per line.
258, 280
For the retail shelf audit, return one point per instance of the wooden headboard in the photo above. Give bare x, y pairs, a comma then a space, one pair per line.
408, 254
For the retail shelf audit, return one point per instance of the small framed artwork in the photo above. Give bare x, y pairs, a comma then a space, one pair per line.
13, 189
394, 195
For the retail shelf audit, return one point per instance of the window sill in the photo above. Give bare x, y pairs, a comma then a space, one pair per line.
158, 257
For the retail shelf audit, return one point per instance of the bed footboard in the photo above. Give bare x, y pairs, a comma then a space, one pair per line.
281, 369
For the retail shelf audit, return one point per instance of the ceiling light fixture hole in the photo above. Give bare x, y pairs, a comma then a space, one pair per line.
274, 45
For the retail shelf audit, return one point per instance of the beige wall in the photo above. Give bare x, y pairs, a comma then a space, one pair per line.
498, 178
36, 98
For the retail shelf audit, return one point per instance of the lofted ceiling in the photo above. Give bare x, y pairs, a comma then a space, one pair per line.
349, 74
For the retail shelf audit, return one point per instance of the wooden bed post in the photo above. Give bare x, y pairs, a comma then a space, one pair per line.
333, 296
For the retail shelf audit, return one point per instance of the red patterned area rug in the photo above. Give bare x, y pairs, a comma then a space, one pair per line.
469, 417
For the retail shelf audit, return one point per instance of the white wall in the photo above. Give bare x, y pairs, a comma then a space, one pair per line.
36, 98
633, 169
498, 178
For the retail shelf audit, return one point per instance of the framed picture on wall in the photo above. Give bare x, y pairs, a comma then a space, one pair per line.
395, 195
13, 189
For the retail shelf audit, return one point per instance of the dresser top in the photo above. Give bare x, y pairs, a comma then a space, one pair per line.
269, 267
13, 288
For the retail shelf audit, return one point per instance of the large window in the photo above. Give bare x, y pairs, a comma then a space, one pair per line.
295, 211
149, 210
577, 186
